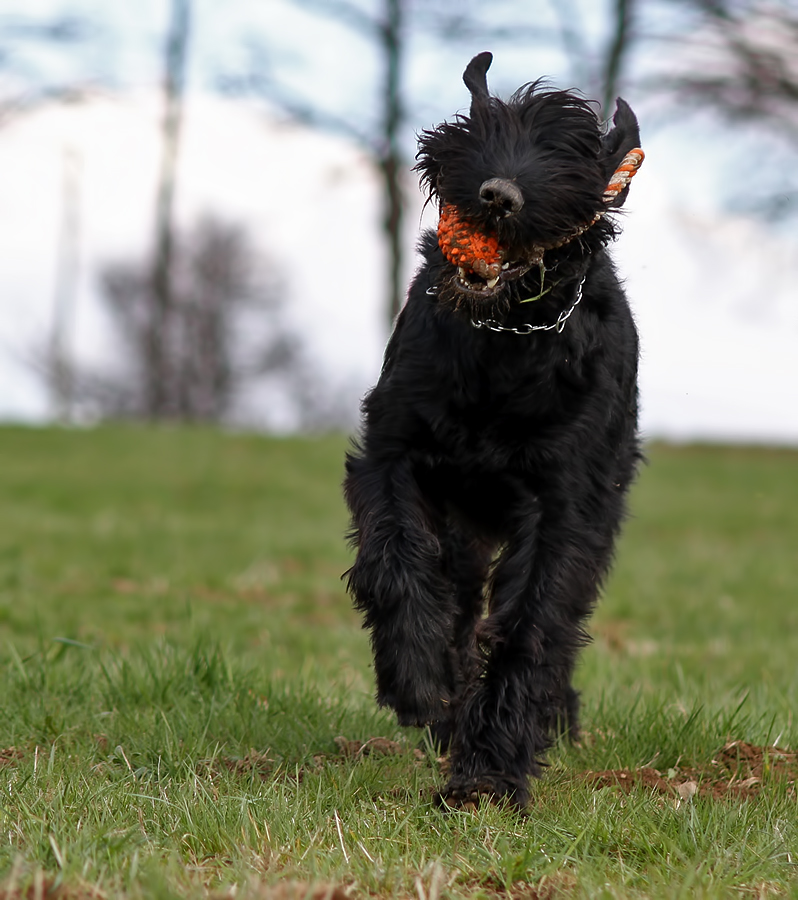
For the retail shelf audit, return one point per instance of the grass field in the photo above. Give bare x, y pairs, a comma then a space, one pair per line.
178, 657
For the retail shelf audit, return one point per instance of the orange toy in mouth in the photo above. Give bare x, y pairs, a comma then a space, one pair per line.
467, 248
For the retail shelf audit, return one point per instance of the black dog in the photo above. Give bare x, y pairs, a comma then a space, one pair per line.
501, 439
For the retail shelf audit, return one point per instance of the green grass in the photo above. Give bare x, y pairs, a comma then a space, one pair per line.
178, 655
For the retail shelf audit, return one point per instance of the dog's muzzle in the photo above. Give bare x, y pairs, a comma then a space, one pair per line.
482, 264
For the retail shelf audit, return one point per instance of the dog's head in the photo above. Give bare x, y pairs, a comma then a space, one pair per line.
517, 178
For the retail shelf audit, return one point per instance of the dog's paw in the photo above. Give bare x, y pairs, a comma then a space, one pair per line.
469, 793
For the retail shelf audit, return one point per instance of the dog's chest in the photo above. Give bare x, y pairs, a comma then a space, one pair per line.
494, 407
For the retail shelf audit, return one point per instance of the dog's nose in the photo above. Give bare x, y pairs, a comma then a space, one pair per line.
502, 196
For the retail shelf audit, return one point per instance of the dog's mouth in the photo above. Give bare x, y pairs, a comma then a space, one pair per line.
483, 266
477, 285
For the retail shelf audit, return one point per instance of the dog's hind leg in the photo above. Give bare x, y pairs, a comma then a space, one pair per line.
397, 581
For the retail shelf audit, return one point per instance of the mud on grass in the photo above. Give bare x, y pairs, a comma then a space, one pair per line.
739, 770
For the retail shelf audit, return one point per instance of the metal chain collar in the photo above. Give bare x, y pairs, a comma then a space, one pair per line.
493, 325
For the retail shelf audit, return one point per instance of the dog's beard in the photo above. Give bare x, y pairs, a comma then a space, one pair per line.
478, 304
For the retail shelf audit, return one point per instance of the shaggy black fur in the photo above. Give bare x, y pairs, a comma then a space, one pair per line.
493, 465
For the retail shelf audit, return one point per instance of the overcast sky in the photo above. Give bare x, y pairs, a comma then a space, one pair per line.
718, 358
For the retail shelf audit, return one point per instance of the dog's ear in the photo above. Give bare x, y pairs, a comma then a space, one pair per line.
619, 140
476, 78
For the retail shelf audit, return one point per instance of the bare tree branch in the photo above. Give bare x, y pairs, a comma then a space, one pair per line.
296, 107
572, 39
17, 33
63, 29
740, 62
617, 51
743, 64
347, 13
225, 329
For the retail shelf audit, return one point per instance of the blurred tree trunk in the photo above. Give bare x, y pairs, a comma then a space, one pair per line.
59, 359
617, 51
598, 73
384, 29
26, 84
391, 161
158, 373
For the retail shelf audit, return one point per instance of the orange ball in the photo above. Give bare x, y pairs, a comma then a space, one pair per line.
465, 246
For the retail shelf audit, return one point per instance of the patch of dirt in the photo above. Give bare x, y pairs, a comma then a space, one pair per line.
265, 767
261, 764
376, 746
614, 633
554, 886
550, 887
45, 888
286, 890
10, 756
737, 770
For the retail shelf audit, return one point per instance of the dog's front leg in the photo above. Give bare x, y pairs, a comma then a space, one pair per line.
540, 595
397, 582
